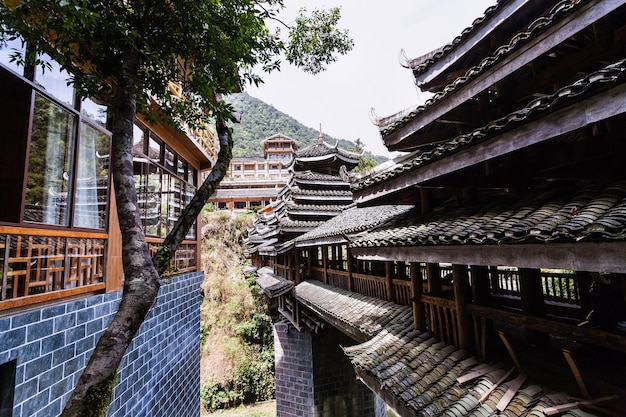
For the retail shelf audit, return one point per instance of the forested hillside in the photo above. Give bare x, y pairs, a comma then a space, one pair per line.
259, 120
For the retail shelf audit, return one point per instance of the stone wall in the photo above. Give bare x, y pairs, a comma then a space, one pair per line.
293, 357
314, 378
48, 348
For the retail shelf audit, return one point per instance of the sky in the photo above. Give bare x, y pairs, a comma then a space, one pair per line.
370, 77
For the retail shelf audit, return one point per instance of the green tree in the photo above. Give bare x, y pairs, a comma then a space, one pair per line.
125, 52
366, 161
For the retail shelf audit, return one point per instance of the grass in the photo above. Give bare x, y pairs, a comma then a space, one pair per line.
262, 409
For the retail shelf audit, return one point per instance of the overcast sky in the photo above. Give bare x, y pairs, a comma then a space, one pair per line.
370, 76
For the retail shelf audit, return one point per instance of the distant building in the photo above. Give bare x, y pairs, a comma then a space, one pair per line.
252, 182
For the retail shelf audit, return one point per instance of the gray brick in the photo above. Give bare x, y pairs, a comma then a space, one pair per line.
25, 391
94, 327
36, 403
62, 387
53, 409
85, 345
51, 377
12, 338
63, 354
38, 366
73, 365
76, 305
64, 322
39, 330
53, 311
53, 342
5, 324
28, 352
83, 316
74, 334
25, 319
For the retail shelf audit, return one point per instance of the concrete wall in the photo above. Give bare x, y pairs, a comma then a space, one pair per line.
160, 372
314, 378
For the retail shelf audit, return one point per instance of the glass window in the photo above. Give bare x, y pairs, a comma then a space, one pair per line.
54, 80
181, 167
169, 160
8, 49
139, 140
92, 178
192, 175
237, 167
260, 167
154, 149
50, 153
94, 111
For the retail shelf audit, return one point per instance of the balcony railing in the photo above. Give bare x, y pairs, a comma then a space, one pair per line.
40, 265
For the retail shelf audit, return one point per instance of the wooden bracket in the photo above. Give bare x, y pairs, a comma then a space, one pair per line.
509, 348
577, 374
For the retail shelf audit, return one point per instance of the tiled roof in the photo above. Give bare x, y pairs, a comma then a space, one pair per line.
354, 220
393, 123
412, 366
611, 74
286, 223
420, 65
321, 149
589, 211
421, 374
295, 191
366, 316
316, 208
316, 176
272, 284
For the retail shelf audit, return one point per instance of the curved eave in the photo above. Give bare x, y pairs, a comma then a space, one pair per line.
403, 132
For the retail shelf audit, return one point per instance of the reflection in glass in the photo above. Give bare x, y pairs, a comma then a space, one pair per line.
154, 149
169, 160
139, 140
92, 179
54, 81
8, 49
48, 164
94, 111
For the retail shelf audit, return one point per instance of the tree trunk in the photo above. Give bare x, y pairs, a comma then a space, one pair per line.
93, 393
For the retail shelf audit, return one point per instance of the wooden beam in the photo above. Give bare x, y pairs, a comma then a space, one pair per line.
604, 105
580, 256
613, 341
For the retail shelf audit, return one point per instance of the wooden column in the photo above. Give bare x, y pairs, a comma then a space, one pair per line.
532, 302
296, 256
350, 268
325, 259
391, 295
481, 295
434, 279
460, 299
309, 262
426, 200
419, 312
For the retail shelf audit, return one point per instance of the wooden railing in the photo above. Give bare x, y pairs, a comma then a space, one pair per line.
184, 259
560, 287
402, 290
39, 264
339, 279
441, 318
370, 285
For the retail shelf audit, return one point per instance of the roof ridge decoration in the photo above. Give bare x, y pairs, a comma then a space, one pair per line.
611, 74
393, 122
420, 64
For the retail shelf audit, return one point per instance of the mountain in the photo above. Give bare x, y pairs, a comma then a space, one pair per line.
259, 121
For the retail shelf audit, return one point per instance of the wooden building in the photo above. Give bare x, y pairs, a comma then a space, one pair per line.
253, 182
60, 246
501, 230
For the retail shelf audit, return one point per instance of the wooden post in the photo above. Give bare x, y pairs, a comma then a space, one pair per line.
481, 295
426, 200
350, 267
309, 261
296, 256
460, 299
325, 258
391, 295
434, 280
532, 302
419, 312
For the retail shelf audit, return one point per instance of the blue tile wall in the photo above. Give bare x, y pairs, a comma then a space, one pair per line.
158, 377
